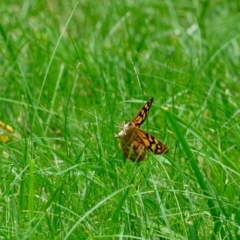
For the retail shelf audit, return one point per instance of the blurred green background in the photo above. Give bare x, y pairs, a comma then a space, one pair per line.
72, 72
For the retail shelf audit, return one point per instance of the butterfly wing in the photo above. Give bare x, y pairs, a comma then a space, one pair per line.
152, 144
142, 114
133, 148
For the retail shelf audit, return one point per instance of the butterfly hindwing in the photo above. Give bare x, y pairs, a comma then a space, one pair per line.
133, 147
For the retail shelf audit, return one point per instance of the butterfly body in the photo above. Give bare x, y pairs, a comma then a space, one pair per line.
135, 142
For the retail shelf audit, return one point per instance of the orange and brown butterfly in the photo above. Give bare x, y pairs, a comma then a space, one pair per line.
135, 142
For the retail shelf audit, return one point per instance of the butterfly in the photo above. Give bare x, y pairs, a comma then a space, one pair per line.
135, 142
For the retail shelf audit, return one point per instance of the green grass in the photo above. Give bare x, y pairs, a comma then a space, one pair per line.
71, 73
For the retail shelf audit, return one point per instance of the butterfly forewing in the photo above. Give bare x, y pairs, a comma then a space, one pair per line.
142, 114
